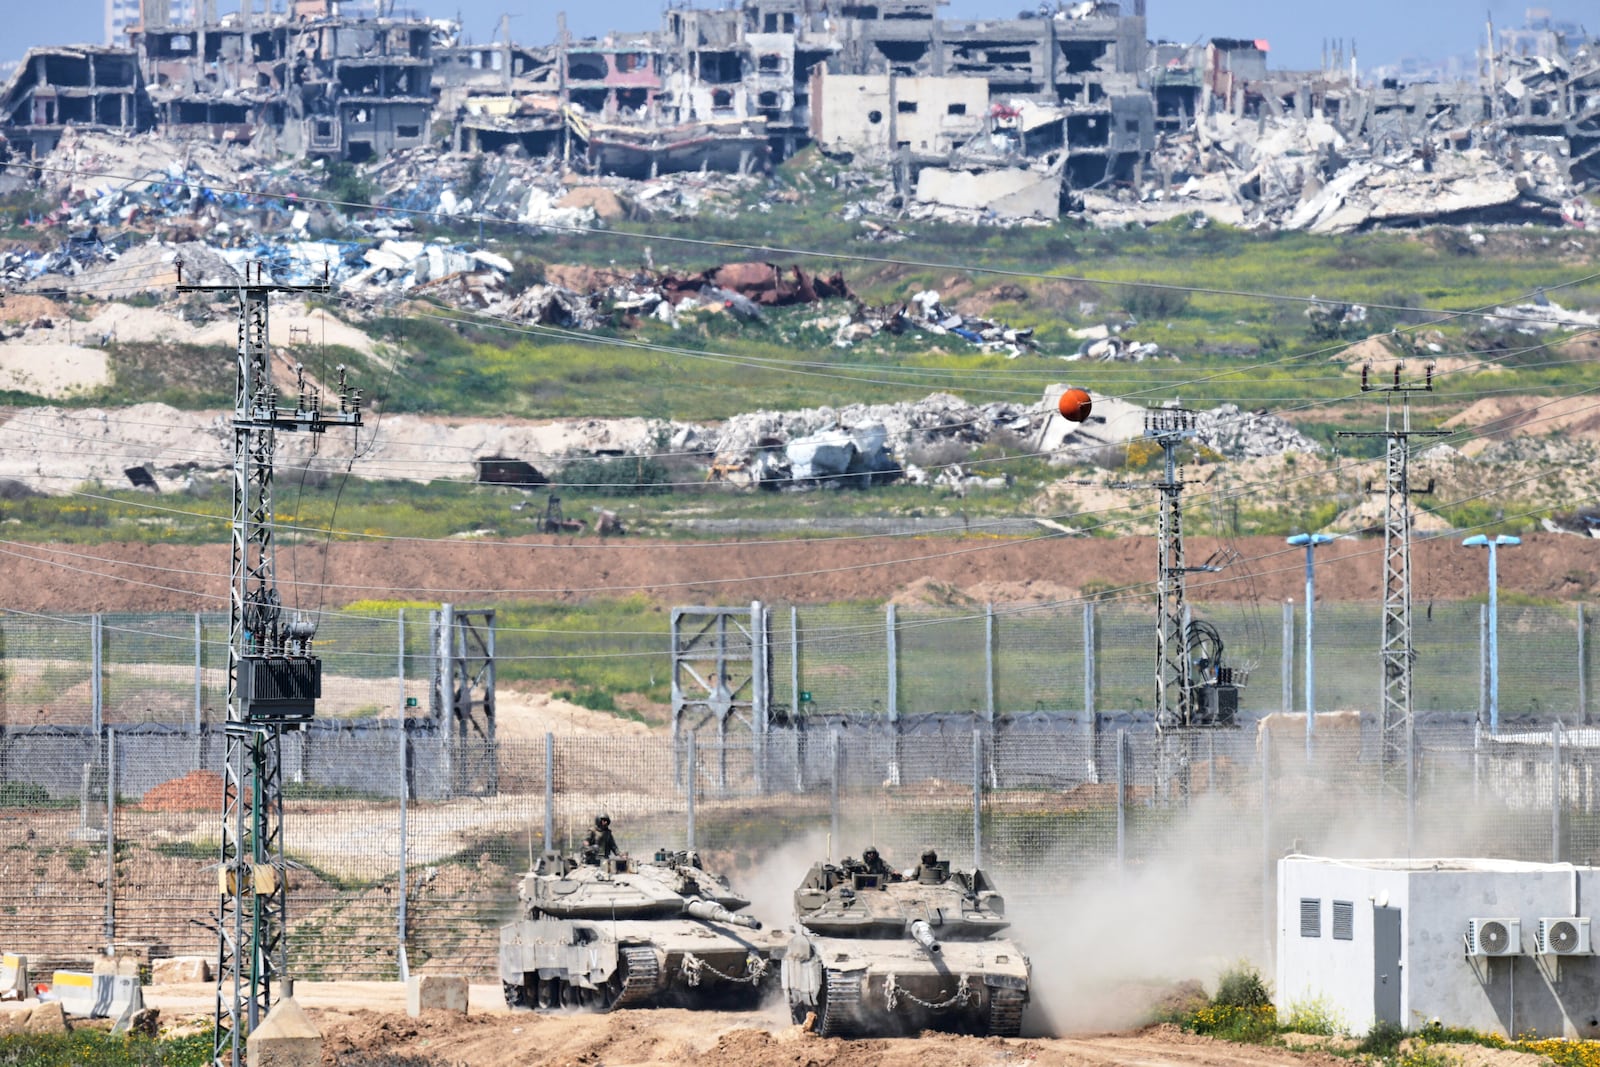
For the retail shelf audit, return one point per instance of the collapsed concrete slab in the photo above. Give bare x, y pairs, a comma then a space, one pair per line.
1017, 193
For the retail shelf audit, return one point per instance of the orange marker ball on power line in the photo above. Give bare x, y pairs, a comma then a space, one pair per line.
1074, 404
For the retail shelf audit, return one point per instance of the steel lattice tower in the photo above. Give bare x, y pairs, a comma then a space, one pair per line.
273, 679
1169, 428
1396, 652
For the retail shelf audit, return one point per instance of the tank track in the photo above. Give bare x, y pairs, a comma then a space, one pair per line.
517, 996
841, 1003
640, 972
1005, 1012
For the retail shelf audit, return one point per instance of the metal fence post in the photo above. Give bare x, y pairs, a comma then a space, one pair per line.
400, 663
1122, 800
1583, 672
96, 665
1555, 792
199, 676
1483, 663
549, 791
199, 694
1268, 908
988, 663
111, 840
400, 901
1089, 665
891, 619
694, 782
794, 662
1288, 656
977, 797
833, 803
760, 691
892, 696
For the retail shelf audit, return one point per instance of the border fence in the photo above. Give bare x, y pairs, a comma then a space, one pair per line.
110, 785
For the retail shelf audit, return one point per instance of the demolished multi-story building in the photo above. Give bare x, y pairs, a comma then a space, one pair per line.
1073, 98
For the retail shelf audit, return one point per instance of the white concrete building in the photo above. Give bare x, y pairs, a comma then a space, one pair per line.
1499, 946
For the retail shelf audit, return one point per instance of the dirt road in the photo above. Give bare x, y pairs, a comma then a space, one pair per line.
369, 1017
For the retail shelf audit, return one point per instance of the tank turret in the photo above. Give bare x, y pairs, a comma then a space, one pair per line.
880, 953
614, 932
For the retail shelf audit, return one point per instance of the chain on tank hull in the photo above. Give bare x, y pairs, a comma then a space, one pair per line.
878, 989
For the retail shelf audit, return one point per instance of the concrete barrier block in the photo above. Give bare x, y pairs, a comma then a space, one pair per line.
178, 969
285, 1038
76, 993
14, 977
436, 992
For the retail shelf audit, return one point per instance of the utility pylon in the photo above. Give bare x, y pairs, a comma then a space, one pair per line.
1396, 653
1169, 428
273, 678
1193, 689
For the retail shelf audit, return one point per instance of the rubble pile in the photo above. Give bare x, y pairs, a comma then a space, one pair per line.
1238, 434
1104, 344
906, 427
925, 313
739, 289
1542, 316
1290, 172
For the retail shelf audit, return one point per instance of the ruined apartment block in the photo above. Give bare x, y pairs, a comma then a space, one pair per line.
89, 88
312, 84
1074, 92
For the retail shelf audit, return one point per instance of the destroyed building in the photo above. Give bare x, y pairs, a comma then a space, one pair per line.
89, 87
315, 84
994, 117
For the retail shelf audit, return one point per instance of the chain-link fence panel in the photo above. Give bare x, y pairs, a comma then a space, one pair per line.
1540, 673
49, 680
943, 661
904, 814
360, 667
844, 661
1125, 639
1252, 635
464, 858
54, 891
1445, 673
1347, 640
1039, 661
149, 672
1048, 810
639, 781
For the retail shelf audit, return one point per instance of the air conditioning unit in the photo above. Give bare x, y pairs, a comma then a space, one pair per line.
1563, 937
1494, 937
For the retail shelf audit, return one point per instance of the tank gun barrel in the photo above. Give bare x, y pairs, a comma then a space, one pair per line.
922, 933
714, 912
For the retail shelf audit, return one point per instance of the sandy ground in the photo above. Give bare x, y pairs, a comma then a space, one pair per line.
53, 369
161, 577
370, 1017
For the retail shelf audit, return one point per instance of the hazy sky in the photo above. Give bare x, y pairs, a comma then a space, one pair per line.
1384, 30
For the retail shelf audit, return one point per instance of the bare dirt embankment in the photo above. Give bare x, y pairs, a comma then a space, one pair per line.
369, 1017
156, 577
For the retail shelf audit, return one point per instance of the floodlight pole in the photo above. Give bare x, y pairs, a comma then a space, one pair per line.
1492, 543
1310, 541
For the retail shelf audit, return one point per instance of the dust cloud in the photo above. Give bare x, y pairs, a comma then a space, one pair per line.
1111, 950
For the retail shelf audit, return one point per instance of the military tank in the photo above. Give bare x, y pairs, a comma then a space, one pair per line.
608, 933
878, 954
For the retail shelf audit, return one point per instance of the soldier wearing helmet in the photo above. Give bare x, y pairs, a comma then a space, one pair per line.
874, 863
599, 843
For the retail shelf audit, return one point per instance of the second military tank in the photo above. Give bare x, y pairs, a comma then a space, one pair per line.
611, 932
878, 954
